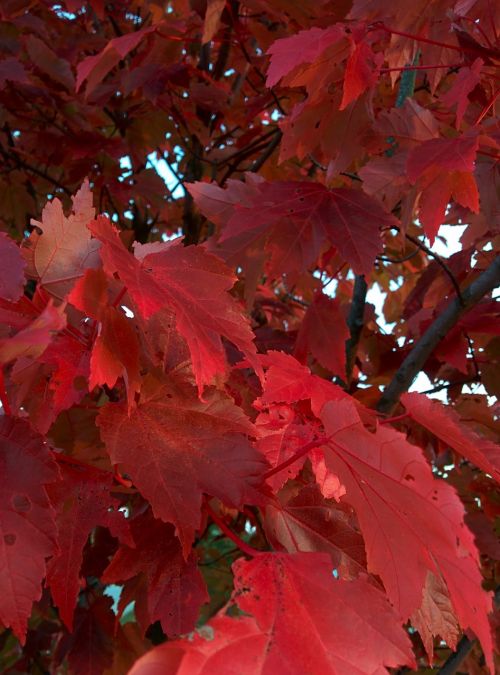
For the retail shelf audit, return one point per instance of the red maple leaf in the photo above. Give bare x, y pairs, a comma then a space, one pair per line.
391, 487
175, 447
174, 589
82, 501
289, 593
204, 311
60, 254
293, 221
444, 423
28, 530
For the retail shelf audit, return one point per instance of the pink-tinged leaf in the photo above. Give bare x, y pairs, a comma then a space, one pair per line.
436, 616
174, 588
279, 437
12, 266
116, 354
346, 626
82, 501
439, 187
409, 125
27, 527
466, 80
310, 523
210, 651
445, 423
449, 154
293, 221
212, 19
323, 333
90, 293
193, 284
288, 381
329, 483
175, 447
219, 204
301, 49
361, 72
59, 256
69, 379
32, 341
94, 69
442, 169
396, 497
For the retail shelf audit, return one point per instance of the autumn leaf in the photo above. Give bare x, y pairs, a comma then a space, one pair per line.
94, 69
443, 169
347, 626
444, 423
309, 522
466, 80
175, 447
174, 587
209, 650
323, 333
392, 489
12, 266
204, 310
82, 501
33, 340
60, 254
294, 220
26, 520
435, 616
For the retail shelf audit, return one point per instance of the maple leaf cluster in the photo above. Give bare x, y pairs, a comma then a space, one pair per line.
211, 458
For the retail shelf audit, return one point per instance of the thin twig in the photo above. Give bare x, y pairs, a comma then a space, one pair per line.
267, 153
242, 545
449, 385
439, 261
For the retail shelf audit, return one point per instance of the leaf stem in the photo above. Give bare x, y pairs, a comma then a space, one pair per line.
430, 67
242, 545
418, 38
300, 453
487, 107
391, 420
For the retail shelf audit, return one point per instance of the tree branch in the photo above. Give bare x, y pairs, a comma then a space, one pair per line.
355, 322
436, 332
267, 153
454, 661
452, 664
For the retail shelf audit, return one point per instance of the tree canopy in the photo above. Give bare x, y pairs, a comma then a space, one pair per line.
249, 337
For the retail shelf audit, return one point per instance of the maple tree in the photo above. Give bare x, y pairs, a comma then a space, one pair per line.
214, 457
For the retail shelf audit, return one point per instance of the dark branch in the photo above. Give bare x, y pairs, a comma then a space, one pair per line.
454, 661
436, 332
439, 261
355, 322
267, 153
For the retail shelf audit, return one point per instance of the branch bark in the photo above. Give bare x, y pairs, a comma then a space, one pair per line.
454, 661
436, 332
355, 323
